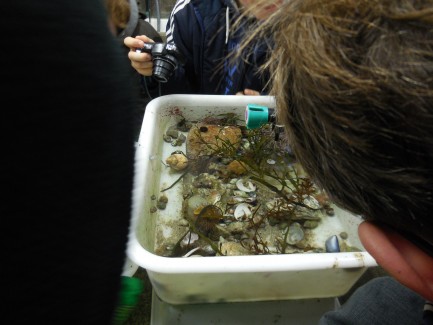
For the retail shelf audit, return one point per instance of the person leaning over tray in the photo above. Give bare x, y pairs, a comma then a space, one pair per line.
353, 81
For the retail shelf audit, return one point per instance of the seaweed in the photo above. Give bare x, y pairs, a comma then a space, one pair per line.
268, 163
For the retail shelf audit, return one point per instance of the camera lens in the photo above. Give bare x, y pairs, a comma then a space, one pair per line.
165, 58
163, 67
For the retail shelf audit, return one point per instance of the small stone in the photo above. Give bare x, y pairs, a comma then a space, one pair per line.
172, 133
177, 161
236, 168
167, 138
170, 247
296, 234
311, 224
233, 249
161, 205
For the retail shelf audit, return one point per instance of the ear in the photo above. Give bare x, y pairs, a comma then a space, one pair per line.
403, 260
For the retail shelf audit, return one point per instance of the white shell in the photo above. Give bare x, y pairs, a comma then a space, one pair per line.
189, 239
192, 251
236, 199
271, 162
214, 197
242, 210
246, 186
240, 193
311, 202
282, 206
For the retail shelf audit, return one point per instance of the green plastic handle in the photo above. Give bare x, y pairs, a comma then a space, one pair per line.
131, 288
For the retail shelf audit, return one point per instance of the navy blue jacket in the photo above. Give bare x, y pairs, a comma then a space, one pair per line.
198, 29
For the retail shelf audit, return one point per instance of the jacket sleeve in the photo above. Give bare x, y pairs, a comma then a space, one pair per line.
184, 30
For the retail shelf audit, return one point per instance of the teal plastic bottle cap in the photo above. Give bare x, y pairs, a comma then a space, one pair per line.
256, 116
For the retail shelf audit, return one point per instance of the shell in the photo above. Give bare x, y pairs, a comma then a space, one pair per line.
242, 210
172, 132
189, 239
332, 245
192, 251
296, 234
271, 162
245, 186
311, 202
177, 161
239, 193
214, 197
235, 200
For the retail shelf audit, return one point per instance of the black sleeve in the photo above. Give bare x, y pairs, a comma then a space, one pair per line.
67, 162
144, 28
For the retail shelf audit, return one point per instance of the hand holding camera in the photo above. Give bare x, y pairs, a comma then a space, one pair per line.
165, 57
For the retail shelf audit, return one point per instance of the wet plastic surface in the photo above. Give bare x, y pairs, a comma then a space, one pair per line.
287, 312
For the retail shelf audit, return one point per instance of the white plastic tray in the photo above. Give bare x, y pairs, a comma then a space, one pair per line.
287, 312
225, 278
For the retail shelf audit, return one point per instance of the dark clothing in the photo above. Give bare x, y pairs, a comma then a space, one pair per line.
142, 28
145, 28
198, 29
381, 301
137, 26
67, 162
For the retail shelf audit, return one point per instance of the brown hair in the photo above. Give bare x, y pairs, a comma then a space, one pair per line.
353, 81
118, 11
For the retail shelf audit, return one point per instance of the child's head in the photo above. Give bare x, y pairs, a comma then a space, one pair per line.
353, 81
260, 9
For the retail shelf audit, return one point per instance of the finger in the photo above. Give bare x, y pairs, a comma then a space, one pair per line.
251, 92
143, 68
141, 62
139, 56
133, 42
136, 42
144, 38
